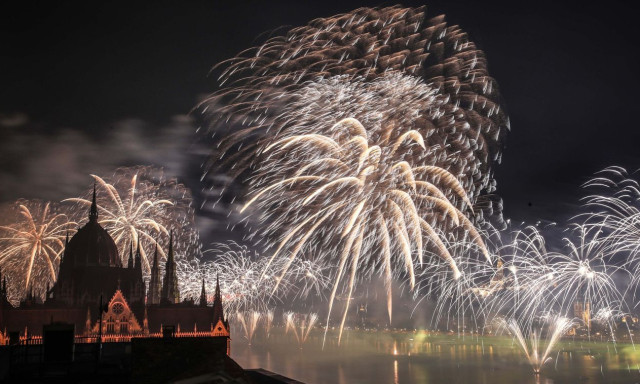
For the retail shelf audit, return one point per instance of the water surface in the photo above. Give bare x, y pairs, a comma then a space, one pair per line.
372, 357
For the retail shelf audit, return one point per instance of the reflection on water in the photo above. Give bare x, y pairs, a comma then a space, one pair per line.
408, 357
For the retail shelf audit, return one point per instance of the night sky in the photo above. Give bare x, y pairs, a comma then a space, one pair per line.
114, 81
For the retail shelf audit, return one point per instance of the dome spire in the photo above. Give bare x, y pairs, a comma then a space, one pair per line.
93, 213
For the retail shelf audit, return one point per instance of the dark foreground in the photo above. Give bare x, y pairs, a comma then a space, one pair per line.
156, 360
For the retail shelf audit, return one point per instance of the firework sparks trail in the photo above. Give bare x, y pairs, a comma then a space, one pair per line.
583, 274
537, 358
615, 214
525, 281
249, 322
138, 206
541, 281
608, 317
306, 277
268, 322
466, 297
245, 283
300, 325
248, 280
362, 137
31, 245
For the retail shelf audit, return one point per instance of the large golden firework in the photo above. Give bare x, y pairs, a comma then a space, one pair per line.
364, 137
31, 245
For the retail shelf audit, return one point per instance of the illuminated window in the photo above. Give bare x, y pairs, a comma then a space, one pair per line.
111, 325
124, 325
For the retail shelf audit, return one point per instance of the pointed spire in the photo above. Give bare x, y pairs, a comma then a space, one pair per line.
203, 295
155, 284
155, 257
138, 273
170, 256
217, 285
170, 292
130, 261
138, 259
218, 312
93, 213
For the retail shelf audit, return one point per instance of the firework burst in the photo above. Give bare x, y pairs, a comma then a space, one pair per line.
246, 283
615, 215
468, 297
31, 245
248, 280
576, 281
364, 136
139, 206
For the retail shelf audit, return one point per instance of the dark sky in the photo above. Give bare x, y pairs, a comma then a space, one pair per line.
567, 73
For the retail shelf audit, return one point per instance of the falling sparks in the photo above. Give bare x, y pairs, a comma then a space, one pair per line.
531, 347
300, 325
249, 322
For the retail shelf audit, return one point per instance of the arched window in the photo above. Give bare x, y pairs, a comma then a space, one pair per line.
124, 325
111, 325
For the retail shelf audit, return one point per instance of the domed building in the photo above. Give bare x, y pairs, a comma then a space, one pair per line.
103, 298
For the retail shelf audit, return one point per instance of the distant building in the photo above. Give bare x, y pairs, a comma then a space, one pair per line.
582, 311
101, 297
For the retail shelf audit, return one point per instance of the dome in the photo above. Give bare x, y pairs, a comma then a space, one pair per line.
92, 245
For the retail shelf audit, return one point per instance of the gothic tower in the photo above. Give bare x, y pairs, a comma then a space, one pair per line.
139, 288
203, 296
170, 292
218, 313
153, 296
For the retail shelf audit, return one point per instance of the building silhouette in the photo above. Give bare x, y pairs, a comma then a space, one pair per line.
104, 299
